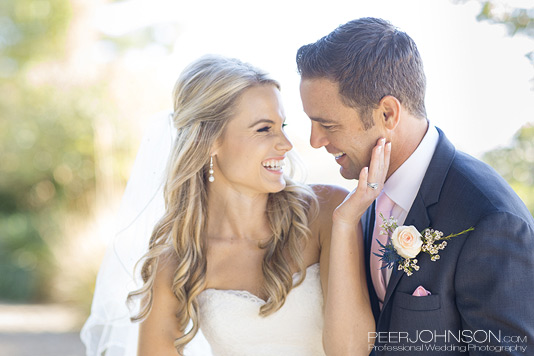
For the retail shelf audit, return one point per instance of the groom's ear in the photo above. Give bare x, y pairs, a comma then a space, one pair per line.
390, 110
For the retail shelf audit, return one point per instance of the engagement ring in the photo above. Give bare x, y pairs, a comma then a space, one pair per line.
372, 185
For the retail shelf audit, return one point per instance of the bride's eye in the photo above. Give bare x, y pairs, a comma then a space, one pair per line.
284, 125
264, 129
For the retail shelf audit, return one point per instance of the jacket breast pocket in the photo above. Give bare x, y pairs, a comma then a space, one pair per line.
410, 302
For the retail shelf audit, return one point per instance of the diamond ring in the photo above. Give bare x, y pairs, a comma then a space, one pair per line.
373, 186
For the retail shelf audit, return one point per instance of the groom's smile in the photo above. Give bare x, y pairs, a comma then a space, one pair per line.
339, 154
337, 127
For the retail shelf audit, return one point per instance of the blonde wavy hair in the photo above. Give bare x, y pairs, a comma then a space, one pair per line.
205, 98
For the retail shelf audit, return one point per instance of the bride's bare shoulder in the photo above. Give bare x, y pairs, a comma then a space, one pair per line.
329, 198
329, 195
164, 274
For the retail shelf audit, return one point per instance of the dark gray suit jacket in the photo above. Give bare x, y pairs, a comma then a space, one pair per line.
482, 300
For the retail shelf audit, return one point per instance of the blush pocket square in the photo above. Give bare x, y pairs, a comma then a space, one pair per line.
421, 292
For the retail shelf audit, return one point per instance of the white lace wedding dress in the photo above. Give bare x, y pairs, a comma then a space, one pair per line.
231, 323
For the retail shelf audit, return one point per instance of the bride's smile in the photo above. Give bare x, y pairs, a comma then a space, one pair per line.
274, 165
250, 155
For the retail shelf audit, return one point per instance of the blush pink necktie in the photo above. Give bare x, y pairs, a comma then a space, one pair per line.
384, 205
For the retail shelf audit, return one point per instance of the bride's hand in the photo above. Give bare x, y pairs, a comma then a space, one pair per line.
352, 208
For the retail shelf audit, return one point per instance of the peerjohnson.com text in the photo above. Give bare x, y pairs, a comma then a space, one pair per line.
446, 341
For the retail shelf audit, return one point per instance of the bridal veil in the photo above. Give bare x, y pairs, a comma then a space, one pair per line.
108, 330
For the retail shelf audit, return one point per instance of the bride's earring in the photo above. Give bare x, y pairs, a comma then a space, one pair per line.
211, 178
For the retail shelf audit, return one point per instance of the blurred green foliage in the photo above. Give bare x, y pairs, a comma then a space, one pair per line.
30, 31
517, 20
516, 164
46, 146
58, 141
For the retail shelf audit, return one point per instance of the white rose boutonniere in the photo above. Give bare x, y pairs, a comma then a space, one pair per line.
406, 242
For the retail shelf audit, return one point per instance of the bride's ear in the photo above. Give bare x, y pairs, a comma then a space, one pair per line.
214, 148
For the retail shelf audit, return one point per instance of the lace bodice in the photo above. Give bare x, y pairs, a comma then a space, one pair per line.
232, 325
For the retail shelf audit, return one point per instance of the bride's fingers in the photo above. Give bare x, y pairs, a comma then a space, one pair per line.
377, 166
387, 156
363, 179
370, 184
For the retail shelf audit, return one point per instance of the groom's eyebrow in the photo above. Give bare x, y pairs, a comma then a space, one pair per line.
321, 121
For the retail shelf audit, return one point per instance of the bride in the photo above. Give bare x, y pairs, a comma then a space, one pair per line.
261, 264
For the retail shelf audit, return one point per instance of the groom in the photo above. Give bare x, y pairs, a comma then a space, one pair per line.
364, 81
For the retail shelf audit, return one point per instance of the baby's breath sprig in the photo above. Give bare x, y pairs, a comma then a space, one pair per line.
431, 237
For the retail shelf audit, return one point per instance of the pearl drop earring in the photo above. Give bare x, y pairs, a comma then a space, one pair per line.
211, 178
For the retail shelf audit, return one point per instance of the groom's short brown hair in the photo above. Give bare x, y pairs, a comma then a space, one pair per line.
369, 58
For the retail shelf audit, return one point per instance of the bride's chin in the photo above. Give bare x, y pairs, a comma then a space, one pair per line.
282, 187
278, 188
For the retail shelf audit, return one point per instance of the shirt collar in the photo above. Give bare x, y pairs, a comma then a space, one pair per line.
403, 185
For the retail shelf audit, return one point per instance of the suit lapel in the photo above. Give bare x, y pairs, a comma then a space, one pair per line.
427, 196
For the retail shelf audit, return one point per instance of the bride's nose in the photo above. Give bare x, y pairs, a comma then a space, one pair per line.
283, 143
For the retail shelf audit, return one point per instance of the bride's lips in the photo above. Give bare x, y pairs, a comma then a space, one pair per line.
274, 164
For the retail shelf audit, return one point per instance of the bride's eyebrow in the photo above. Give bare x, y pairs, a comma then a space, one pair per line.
267, 121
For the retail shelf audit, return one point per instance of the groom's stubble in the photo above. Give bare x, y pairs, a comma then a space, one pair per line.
338, 127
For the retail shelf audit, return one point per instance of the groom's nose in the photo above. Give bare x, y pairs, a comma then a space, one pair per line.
318, 138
